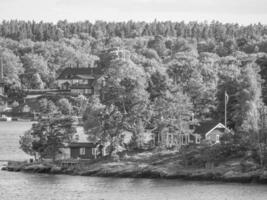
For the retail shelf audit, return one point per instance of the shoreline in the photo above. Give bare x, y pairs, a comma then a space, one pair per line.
120, 169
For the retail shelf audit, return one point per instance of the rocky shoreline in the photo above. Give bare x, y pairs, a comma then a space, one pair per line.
229, 172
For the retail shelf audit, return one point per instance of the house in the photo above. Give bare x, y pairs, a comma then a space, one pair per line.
170, 138
114, 53
211, 131
79, 80
82, 150
80, 147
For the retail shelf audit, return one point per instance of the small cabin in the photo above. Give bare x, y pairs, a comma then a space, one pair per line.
212, 131
82, 150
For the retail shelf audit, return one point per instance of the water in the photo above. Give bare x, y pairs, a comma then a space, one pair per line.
9, 140
22, 186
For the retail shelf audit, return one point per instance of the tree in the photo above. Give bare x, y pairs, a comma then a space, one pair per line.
26, 142
175, 111
15, 93
12, 67
47, 106
36, 82
243, 85
47, 136
36, 70
158, 45
181, 67
64, 106
124, 96
249, 99
93, 119
262, 62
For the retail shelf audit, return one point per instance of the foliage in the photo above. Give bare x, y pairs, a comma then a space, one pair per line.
65, 106
152, 74
47, 136
231, 147
47, 106
26, 142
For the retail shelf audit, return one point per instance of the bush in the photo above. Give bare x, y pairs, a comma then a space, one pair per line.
229, 148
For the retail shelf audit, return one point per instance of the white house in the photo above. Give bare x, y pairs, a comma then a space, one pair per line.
212, 131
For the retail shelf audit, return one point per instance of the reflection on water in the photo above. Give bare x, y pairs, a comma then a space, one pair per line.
23, 186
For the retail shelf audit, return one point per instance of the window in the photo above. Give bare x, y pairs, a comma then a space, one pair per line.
87, 91
197, 140
76, 137
169, 139
82, 151
217, 138
94, 152
183, 139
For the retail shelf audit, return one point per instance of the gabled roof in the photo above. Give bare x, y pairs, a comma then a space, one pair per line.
80, 73
218, 126
207, 127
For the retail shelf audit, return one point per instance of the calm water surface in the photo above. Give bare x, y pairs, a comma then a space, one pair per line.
23, 186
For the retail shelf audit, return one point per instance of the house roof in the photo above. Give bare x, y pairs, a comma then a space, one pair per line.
207, 126
79, 73
81, 144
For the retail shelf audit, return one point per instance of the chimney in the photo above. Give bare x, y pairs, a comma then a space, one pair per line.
1, 71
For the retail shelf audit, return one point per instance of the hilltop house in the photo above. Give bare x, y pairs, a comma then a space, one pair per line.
211, 131
79, 80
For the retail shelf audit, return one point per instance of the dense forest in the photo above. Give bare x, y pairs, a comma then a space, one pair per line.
169, 71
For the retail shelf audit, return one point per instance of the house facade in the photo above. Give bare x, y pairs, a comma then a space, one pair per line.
82, 150
212, 131
169, 138
79, 80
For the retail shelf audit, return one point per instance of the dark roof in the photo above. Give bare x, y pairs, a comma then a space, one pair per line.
205, 127
80, 73
82, 144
